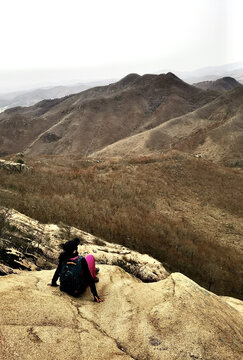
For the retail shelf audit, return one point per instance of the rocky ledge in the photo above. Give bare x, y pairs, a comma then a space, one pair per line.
172, 319
29, 245
14, 166
147, 313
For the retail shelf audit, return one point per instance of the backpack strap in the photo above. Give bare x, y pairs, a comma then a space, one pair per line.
79, 259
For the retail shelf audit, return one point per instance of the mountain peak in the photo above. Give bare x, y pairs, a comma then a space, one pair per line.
129, 79
226, 83
172, 75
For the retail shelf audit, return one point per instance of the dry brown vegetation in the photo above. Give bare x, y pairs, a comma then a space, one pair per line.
184, 211
214, 131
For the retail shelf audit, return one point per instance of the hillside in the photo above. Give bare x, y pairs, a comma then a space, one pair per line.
182, 210
221, 85
214, 131
31, 97
83, 123
26, 244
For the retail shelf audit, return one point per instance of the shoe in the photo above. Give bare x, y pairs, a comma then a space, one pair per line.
97, 270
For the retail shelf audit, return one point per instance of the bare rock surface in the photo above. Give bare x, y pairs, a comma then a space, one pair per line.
170, 319
14, 166
161, 317
29, 245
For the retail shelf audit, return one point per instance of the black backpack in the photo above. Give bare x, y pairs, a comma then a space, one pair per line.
72, 278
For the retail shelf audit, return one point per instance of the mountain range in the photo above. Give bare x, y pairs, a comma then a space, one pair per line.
31, 97
137, 115
234, 70
50, 84
213, 131
136, 170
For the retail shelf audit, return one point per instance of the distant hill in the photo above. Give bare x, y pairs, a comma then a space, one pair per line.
223, 84
28, 98
137, 115
83, 123
213, 73
214, 131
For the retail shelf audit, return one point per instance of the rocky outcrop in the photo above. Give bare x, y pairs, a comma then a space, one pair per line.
161, 317
173, 319
29, 245
14, 166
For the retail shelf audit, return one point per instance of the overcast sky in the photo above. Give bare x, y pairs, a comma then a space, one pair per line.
94, 39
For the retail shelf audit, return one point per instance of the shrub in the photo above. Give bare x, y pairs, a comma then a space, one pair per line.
20, 161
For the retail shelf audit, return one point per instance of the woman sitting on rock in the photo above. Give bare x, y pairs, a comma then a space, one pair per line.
76, 272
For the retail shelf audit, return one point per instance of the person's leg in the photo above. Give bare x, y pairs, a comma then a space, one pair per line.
91, 264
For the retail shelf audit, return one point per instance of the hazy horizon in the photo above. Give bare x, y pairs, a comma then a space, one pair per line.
59, 43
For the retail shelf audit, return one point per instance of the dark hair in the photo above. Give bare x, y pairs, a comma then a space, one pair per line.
70, 246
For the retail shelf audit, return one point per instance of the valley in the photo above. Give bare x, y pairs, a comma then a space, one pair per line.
182, 210
149, 162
